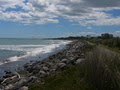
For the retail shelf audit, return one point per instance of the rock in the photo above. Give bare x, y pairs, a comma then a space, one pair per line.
64, 61
71, 58
20, 83
42, 74
52, 70
30, 69
35, 71
11, 80
48, 73
31, 79
79, 60
26, 65
61, 66
7, 72
82, 55
50, 64
45, 68
9, 87
24, 88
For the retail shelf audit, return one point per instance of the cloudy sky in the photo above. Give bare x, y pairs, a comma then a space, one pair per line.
56, 18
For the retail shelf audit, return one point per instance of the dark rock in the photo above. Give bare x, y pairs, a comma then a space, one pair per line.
42, 74
45, 68
8, 75
7, 72
30, 69
26, 65
32, 79
19, 84
35, 72
24, 88
52, 70
11, 80
64, 61
61, 66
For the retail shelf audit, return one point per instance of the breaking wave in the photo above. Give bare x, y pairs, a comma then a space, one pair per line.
30, 51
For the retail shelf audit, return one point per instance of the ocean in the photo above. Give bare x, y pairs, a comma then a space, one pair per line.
15, 52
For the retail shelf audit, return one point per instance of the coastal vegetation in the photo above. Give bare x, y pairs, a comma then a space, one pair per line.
106, 40
99, 71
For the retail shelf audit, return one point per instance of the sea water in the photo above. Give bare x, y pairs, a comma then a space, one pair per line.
15, 52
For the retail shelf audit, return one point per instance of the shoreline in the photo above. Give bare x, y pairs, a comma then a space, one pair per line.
58, 62
12, 65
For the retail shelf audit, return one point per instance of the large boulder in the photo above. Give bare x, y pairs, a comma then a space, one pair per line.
22, 82
64, 61
42, 74
61, 66
24, 88
79, 60
45, 68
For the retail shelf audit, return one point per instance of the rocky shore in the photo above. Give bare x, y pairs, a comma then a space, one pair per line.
72, 55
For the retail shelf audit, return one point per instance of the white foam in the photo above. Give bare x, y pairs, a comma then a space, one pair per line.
19, 47
34, 51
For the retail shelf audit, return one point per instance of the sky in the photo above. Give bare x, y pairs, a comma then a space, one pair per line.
58, 18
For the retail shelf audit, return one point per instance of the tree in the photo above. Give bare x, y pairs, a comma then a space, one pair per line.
106, 36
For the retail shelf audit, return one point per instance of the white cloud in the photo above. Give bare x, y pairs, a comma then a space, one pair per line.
85, 12
117, 33
4, 4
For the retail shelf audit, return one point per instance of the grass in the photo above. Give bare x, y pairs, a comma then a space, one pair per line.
71, 79
115, 49
100, 71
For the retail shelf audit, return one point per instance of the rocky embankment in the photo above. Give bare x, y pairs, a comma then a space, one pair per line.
72, 55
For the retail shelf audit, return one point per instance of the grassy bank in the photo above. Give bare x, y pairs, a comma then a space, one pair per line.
114, 49
99, 71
